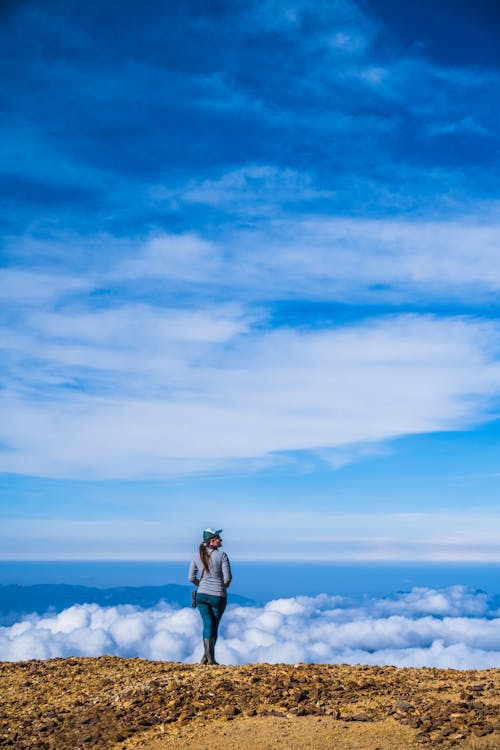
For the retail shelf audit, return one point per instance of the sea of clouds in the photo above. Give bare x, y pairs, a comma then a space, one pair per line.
450, 628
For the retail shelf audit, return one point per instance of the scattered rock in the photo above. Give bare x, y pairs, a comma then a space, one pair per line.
97, 703
360, 717
403, 705
481, 731
476, 688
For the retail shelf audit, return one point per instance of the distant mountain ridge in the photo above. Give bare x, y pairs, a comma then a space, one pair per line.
16, 600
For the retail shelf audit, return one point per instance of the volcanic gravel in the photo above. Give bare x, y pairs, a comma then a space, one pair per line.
76, 703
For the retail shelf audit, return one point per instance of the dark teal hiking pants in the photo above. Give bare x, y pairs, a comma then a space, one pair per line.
211, 610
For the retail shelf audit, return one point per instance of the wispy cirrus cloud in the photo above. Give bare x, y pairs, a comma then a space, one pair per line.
361, 87
159, 390
333, 258
316, 257
25, 288
246, 190
163, 342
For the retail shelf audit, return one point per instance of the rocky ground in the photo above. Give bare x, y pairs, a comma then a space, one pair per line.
117, 704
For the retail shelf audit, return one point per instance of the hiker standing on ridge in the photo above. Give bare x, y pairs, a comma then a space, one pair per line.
211, 573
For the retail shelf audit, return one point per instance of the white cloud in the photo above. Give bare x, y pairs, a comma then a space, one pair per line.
156, 399
32, 288
185, 257
344, 259
132, 389
255, 188
305, 257
338, 457
139, 326
451, 628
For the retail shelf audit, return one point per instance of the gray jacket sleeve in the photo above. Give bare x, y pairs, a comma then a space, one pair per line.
193, 571
226, 570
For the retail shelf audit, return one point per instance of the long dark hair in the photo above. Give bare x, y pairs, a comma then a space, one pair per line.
205, 557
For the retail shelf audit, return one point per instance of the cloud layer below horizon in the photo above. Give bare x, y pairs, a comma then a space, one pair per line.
449, 628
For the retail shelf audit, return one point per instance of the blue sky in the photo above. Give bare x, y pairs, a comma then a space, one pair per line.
250, 275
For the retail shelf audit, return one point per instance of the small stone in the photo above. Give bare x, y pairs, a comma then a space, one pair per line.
482, 731
446, 731
413, 722
403, 705
422, 737
333, 712
360, 717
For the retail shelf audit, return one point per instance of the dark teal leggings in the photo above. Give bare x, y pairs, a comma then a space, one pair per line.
211, 610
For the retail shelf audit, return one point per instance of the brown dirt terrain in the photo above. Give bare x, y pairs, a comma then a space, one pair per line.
131, 704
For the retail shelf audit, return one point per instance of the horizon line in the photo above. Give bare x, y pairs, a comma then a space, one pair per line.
267, 560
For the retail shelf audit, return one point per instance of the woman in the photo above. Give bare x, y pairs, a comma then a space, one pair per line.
211, 572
